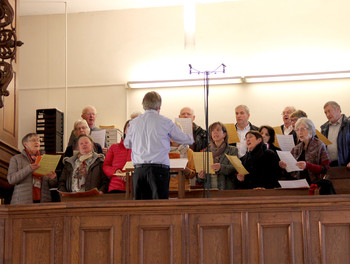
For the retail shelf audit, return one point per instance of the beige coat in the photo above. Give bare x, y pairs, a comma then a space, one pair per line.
20, 175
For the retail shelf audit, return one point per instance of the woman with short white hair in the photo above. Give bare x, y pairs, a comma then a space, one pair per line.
310, 153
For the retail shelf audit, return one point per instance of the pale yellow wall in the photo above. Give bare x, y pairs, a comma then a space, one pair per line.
108, 49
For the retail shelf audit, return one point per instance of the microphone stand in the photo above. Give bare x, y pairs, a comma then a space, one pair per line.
206, 193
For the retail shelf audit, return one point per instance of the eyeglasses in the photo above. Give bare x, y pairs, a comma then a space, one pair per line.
286, 113
34, 140
90, 114
81, 128
302, 129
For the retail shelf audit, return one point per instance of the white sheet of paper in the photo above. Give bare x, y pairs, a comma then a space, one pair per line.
286, 142
178, 163
174, 164
99, 136
186, 124
288, 158
294, 184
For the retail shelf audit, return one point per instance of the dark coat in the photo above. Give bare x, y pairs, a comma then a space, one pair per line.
343, 140
263, 168
95, 177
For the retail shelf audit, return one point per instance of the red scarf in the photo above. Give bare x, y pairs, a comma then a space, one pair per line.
37, 180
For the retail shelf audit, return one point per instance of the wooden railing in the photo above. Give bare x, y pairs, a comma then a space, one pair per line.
266, 229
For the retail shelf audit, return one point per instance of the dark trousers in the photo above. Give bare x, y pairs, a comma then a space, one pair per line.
151, 182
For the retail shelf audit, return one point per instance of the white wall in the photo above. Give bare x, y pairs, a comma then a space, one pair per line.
108, 49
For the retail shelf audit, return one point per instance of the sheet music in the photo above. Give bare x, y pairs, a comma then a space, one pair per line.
178, 163
237, 164
278, 131
232, 133
321, 137
286, 142
186, 124
99, 136
294, 184
128, 165
47, 164
198, 158
174, 164
288, 158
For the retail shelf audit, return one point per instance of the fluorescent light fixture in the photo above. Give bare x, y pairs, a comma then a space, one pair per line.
297, 77
183, 83
246, 80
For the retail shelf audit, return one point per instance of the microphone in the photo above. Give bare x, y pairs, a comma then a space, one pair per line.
190, 68
223, 68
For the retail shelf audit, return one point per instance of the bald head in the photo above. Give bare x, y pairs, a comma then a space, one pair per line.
187, 112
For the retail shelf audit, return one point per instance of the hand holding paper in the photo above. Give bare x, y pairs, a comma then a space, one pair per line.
289, 160
237, 164
47, 164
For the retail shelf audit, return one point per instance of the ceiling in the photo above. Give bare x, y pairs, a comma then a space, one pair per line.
38, 7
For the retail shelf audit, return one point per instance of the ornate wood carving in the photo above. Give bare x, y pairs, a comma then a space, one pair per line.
8, 47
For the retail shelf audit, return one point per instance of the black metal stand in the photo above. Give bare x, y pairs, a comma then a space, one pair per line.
206, 186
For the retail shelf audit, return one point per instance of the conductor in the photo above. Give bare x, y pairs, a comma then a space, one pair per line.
149, 138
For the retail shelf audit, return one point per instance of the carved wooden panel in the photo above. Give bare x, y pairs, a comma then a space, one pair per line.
330, 236
215, 238
156, 239
97, 239
276, 237
8, 114
37, 240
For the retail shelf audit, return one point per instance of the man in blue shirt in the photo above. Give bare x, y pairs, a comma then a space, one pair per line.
149, 138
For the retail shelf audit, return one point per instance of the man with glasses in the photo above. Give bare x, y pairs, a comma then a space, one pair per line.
287, 128
89, 114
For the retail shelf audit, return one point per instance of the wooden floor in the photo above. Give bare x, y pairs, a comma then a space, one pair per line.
264, 229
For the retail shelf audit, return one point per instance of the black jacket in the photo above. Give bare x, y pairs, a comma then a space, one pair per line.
263, 168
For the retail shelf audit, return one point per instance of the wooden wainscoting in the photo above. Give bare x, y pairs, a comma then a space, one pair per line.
294, 229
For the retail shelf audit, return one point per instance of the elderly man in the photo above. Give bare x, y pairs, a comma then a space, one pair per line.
200, 136
149, 138
243, 126
287, 127
89, 114
337, 130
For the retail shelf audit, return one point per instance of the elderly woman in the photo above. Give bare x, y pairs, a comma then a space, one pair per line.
224, 171
116, 158
261, 163
310, 153
29, 187
83, 171
268, 134
81, 127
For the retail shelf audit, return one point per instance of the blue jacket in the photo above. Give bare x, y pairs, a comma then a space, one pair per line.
343, 140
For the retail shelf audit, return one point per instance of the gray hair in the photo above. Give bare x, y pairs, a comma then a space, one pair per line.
307, 123
334, 105
81, 121
26, 138
151, 101
246, 109
86, 108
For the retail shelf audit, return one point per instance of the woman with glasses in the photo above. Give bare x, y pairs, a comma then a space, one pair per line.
310, 153
29, 187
